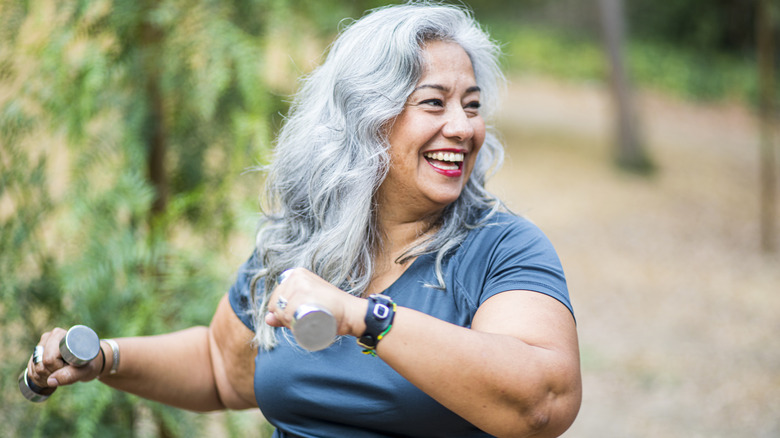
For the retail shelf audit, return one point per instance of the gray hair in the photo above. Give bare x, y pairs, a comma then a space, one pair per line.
332, 153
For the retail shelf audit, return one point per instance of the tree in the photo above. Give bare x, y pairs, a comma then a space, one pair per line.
124, 126
765, 29
630, 152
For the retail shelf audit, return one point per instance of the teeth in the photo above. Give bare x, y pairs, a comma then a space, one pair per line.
452, 157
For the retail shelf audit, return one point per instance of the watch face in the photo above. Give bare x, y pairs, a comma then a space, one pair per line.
381, 311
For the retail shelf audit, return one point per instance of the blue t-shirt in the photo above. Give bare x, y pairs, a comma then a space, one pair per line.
341, 392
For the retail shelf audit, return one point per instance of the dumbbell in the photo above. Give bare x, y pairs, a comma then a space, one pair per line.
79, 346
314, 327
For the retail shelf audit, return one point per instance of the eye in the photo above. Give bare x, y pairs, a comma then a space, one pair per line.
432, 102
473, 107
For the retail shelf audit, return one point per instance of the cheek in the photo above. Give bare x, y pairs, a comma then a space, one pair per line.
478, 141
479, 133
404, 136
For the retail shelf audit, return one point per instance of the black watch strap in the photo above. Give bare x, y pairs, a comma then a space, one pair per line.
379, 320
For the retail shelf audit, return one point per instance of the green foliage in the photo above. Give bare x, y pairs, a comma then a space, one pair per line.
85, 88
691, 74
655, 65
549, 52
711, 26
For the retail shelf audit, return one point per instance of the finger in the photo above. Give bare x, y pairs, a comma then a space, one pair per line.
287, 275
273, 321
35, 359
283, 276
37, 356
34, 373
275, 293
70, 374
36, 370
36, 364
279, 316
51, 358
44, 336
278, 301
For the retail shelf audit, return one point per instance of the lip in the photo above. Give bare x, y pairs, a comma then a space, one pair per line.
455, 150
454, 173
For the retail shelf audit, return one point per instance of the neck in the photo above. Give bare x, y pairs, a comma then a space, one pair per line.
400, 233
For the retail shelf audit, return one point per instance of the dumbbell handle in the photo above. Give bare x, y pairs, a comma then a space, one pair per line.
79, 346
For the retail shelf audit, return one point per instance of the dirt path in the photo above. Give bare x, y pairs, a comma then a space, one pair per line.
677, 308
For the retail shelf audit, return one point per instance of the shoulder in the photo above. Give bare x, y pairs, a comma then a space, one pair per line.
241, 292
506, 229
509, 252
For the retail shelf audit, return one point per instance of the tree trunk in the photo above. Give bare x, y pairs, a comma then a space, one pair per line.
766, 75
155, 125
629, 151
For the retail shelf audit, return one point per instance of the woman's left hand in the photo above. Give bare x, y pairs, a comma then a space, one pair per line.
302, 286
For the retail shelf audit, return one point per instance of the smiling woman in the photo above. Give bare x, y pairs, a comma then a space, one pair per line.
378, 215
440, 121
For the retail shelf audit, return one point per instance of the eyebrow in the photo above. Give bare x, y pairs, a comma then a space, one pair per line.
471, 89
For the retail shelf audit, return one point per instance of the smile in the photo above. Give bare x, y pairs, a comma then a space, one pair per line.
446, 163
445, 160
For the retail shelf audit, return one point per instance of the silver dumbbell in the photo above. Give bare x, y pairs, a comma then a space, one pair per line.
314, 327
79, 346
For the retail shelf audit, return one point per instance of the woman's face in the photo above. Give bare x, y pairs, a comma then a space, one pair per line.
435, 140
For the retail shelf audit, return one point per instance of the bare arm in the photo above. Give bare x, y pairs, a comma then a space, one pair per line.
200, 368
175, 369
515, 372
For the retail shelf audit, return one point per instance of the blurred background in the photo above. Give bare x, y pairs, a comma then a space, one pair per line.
642, 137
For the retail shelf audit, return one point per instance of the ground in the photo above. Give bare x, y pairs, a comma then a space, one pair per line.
677, 306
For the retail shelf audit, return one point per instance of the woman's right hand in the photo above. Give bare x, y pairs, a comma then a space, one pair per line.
52, 370
302, 286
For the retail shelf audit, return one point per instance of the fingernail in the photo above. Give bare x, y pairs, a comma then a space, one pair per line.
52, 382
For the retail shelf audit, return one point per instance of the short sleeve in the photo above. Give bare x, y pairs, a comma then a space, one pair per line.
514, 254
240, 294
526, 260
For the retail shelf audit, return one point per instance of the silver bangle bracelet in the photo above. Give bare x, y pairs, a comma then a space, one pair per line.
114, 354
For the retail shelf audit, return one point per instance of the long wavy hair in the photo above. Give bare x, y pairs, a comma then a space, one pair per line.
331, 155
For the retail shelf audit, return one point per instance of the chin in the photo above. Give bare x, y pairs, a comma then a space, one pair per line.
445, 199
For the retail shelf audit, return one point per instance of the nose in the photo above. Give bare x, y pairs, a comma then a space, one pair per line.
458, 125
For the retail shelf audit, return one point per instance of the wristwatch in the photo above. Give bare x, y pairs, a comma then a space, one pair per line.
379, 321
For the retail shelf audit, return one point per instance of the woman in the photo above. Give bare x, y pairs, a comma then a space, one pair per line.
378, 186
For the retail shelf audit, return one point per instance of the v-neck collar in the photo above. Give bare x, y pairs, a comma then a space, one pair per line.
405, 276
